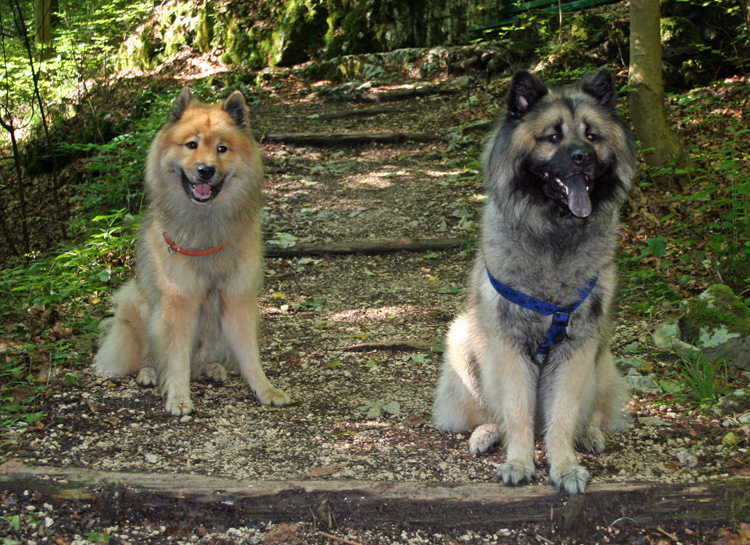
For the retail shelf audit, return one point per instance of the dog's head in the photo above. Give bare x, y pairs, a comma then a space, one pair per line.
573, 149
204, 147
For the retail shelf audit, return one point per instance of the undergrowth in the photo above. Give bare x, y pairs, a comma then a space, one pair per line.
50, 310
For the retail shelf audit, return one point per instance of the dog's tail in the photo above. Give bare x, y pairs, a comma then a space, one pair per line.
122, 350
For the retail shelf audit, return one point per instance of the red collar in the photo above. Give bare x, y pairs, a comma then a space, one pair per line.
174, 249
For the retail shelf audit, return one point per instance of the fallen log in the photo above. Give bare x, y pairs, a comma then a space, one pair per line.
365, 247
209, 500
345, 139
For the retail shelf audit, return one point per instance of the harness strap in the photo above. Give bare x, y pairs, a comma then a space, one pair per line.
560, 315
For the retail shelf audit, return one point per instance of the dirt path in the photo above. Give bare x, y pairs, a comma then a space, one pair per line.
356, 340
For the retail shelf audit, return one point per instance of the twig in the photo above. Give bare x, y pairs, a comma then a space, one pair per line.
340, 539
667, 534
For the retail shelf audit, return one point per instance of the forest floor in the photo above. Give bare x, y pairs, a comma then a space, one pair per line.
356, 340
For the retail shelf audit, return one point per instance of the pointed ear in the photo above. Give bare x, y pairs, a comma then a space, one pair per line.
525, 92
235, 106
601, 86
181, 104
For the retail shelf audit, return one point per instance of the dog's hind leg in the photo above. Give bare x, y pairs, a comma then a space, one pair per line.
457, 396
240, 324
123, 349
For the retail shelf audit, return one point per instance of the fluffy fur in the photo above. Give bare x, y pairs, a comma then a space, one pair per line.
557, 172
185, 315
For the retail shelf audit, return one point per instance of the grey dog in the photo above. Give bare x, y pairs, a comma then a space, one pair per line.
531, 352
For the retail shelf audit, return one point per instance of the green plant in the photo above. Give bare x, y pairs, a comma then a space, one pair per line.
53, 306
643, 286
718, 194
704, 382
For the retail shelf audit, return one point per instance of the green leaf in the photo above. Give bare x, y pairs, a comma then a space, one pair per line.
657, 246
14, 521
671, 386
96, 537
283, 240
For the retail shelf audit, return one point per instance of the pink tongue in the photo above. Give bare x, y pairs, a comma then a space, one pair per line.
202, 191
578, 196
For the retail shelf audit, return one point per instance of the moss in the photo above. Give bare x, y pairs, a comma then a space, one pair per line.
717, 306
204, 29
589, 30
301, 32
679, 35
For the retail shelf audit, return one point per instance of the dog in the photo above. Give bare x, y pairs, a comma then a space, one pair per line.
531, 352
192, 306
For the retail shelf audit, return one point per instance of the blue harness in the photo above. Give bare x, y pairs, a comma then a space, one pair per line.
560, 315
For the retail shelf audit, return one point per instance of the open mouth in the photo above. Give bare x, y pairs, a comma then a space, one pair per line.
201, 192
576, 189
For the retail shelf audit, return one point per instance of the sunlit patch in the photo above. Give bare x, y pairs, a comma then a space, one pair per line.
381, 180
377, 313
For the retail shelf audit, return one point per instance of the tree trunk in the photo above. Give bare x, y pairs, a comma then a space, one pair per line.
43, 27
646, 100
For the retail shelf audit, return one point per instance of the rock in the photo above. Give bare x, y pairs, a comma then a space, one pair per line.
735, 402
641, 383
687, 458
652, 421
718, 323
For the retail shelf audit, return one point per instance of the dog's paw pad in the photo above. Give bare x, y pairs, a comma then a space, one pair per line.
216, 373
515, 473
484, 438
572, 480
147, 377
274, 396
179, 406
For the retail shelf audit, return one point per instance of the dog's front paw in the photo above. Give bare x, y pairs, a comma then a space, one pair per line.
273, 396
179, 405
484, 438
591, 440
514, 472
215, 372
147, 377
571, 479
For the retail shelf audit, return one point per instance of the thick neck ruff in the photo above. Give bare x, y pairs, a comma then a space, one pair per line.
560, 315
172, 248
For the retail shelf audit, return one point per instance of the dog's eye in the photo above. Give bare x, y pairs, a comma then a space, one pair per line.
192, 145
222, 148
553, 138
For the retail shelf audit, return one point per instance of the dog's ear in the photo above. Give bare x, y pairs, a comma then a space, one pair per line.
181, 104
525, 92
601, 86
235, 106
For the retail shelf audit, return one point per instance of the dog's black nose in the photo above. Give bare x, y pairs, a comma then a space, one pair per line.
581, 158
206, 172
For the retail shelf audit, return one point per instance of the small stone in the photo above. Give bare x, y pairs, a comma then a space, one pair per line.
687, 458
